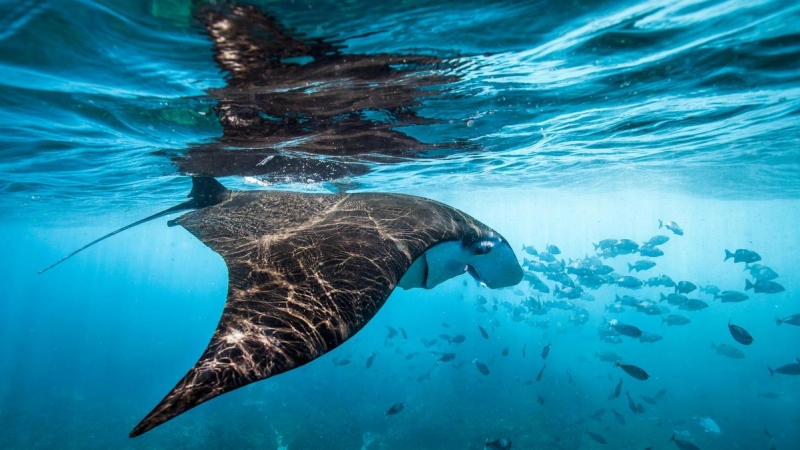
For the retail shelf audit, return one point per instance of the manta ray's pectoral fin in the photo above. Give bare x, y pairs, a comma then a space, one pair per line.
307, 271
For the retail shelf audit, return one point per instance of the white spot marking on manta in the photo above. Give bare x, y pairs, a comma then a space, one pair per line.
234, 337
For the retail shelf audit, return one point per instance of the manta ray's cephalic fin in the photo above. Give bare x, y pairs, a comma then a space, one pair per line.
307, 271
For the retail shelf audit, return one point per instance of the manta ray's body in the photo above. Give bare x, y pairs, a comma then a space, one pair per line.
307, 271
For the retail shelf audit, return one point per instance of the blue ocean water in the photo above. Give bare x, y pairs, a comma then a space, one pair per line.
562, 123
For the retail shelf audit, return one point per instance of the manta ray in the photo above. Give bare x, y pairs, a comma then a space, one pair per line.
308, 271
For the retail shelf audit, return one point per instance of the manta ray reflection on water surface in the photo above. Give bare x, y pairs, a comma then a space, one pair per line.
308, 271
299, 109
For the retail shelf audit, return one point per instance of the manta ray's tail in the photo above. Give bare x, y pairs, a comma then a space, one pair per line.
206, 191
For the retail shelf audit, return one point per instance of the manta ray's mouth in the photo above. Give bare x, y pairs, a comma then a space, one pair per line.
489, 260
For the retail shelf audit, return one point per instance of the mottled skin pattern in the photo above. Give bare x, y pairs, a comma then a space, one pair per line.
306, 272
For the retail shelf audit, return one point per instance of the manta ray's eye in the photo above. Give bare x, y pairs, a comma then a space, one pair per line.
481, 245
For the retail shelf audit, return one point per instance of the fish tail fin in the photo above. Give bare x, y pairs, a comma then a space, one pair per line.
778, 321
663, 297
771, 372
630, 267
660, 224
596, 246
728, 255
672, 438
746, 267
748, 285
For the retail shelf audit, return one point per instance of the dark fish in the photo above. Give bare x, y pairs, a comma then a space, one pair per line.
431, 343
787, 369
482, 368
626, 330
633, 371
541, 400
648, 337
619, 417
643, 264
660, 394
608, 357
693, 304
598, 415
505, 351
631, 403
446, 337
341, 362
569, 378
483, 332
731, 296
606, 244
391, 332
447, 357
403, 332
625, 247
618, 389
657, 240
597, 438
546, 257
671, 226
541, 372
423, 377
761, 272
446, 325
498, 444
650, 251
647, 399
536, 282
459, 339
525, 345
710, 289
794, 319
396, 408
674, 299
640, 409
742, 255
770, 395
481, 300
675, 319
667, 281
546, 350
763, 287
685, 287
683, 445
370, 360
553, 250
727, 350
629, 282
